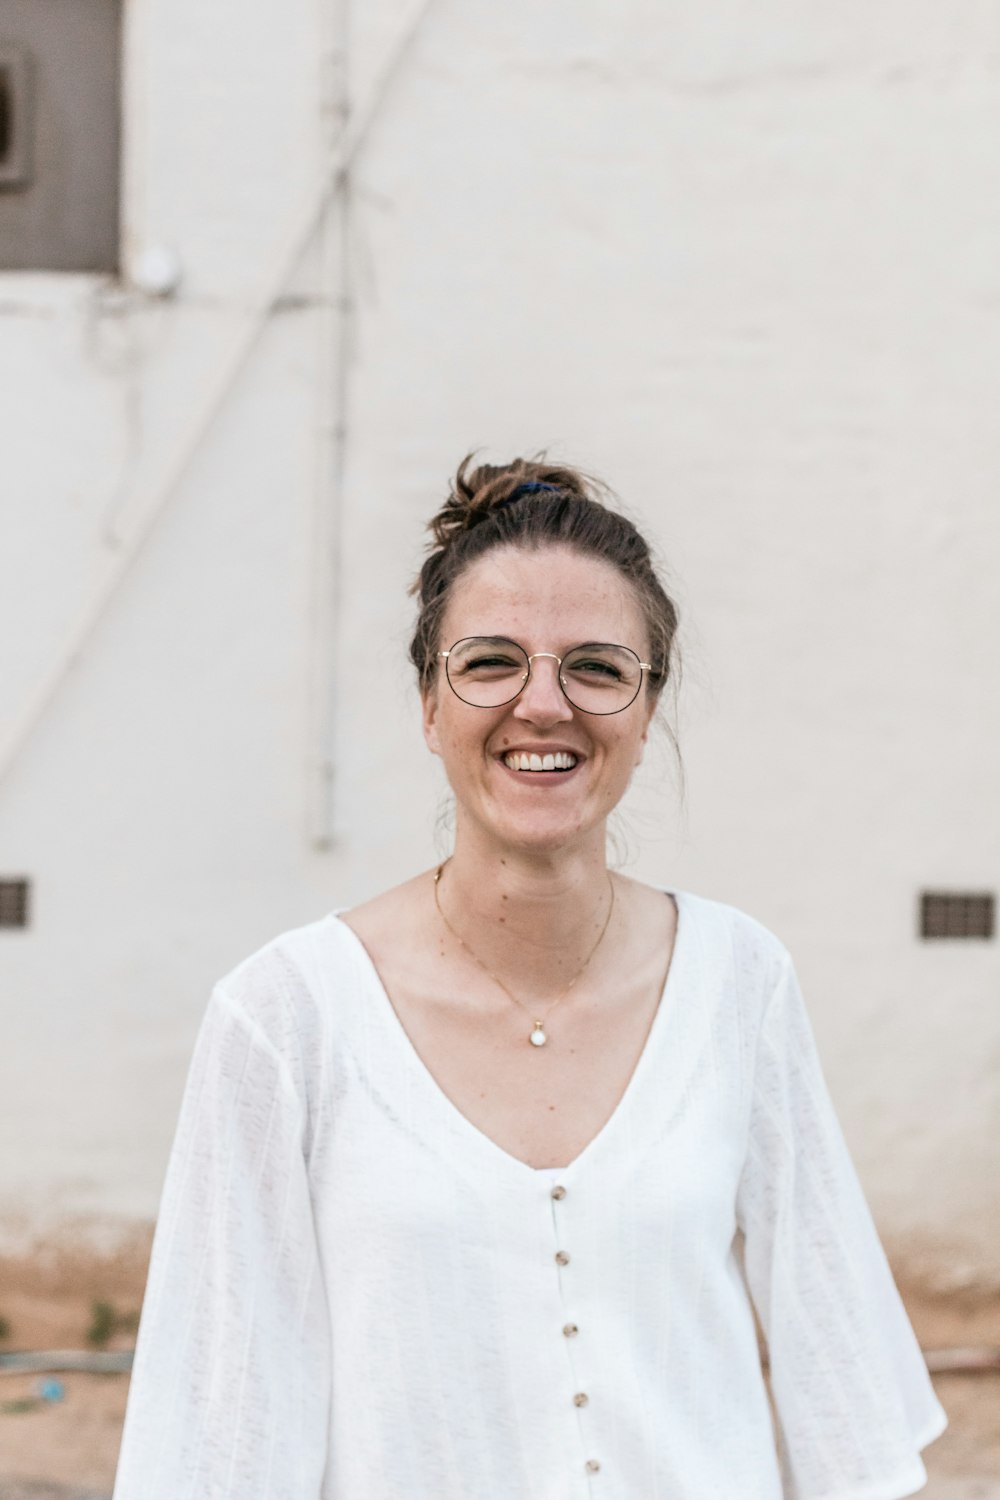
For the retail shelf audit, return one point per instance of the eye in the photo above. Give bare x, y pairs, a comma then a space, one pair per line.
596, 667
478, 662
489, 661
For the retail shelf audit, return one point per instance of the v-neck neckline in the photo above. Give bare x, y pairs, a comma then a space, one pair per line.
459, 1122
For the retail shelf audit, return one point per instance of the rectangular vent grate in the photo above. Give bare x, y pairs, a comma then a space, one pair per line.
950, 914
14, 903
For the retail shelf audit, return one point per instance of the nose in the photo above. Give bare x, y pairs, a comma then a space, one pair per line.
542, 700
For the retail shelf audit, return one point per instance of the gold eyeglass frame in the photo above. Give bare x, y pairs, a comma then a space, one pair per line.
644, 666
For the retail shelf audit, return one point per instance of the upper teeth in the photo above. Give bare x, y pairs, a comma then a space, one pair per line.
519, 760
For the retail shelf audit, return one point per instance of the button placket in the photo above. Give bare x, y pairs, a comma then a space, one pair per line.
570, 1329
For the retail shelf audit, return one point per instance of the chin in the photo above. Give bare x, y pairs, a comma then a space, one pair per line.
541, 834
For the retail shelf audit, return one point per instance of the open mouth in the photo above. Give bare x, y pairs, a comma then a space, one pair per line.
521, 760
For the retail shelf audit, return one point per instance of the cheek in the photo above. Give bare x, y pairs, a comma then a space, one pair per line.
458, 741
626, 755
451, 747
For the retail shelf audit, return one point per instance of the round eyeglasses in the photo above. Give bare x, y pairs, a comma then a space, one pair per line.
487, 671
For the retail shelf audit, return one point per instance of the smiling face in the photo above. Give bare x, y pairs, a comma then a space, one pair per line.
547, 600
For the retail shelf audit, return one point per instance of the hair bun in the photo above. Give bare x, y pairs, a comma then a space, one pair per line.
476, 493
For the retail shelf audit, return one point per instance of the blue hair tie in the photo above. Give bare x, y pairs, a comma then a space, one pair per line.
525, 489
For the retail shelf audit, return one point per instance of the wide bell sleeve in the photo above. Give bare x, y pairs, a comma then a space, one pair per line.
853, 1400
230, 1390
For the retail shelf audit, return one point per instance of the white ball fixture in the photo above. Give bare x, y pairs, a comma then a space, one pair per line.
157, 271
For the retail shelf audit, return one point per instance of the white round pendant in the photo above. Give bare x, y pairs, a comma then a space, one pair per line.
538, 1037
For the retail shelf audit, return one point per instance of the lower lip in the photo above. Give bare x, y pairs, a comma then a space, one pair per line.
542, 778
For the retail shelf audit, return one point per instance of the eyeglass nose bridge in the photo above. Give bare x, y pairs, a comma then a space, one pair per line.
559, 677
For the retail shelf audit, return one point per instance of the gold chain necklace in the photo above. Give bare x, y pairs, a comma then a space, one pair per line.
537, 1036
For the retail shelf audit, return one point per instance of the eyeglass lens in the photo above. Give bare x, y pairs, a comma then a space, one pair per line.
488, 671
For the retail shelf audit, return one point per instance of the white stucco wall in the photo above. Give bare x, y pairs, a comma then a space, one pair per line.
746, 264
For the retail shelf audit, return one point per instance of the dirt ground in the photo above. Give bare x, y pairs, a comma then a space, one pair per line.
67, 1450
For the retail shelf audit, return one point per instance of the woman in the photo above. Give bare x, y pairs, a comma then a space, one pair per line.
475, 1185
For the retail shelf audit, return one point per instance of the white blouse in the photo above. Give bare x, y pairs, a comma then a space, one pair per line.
356, 1295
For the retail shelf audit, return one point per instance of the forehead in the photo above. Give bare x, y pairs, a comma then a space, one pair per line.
546, 598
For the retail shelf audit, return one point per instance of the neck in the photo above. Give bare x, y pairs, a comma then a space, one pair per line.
530, 916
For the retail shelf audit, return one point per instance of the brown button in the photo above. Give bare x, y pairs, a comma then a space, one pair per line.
592, 1466
558, 1193
581, 1398
570, 1330
562, 1259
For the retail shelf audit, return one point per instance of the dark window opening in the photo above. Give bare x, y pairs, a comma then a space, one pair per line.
15, 118
957, 914
60, 107
6, 113
14, 903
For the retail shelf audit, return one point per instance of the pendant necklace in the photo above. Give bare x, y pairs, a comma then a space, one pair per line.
538, 1035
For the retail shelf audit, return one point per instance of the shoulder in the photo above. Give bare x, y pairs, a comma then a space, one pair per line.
303, 977
396, 917
283, 992
732, 942
280, 1013
742, 972
292, 960
391, 933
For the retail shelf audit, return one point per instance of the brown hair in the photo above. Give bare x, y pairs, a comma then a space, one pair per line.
530, 503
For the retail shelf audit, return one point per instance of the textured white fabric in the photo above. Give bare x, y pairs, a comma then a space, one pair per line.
354, 1293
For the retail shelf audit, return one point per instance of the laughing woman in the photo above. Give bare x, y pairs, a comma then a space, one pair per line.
476, 1186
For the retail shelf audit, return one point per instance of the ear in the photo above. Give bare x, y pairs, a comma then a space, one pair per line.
644, 737
429, 704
